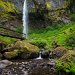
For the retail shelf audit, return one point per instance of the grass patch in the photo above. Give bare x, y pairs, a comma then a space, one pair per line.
58, 33
7, 40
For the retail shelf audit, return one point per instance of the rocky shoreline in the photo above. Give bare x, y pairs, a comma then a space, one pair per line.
30, 67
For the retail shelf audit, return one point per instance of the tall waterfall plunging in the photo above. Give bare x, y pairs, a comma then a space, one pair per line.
25, 20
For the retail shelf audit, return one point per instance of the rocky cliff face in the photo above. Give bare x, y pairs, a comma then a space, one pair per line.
31, 3
10, 14
46, 11
17, 3
11, 11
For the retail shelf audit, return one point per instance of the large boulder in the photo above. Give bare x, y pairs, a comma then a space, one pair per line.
12, 54
69, 56
44, 53
4, 63
22, 49
59, 52
26, 47
66, 63
28, 50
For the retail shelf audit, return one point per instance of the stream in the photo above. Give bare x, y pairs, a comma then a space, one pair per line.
30, 67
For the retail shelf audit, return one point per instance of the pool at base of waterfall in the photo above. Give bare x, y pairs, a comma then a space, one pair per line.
30, 67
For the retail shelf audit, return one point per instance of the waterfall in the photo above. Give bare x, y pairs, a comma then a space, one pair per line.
39, 55
25, 17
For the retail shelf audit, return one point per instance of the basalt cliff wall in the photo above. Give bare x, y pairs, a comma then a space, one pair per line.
41, 12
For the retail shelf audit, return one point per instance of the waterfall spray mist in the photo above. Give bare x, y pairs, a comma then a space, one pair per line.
25, 20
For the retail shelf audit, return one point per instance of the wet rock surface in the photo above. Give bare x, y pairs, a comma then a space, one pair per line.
59, 52
4, 63
30, 67
45, 54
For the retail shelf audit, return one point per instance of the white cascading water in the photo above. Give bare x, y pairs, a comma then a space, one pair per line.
25, 18
39, 56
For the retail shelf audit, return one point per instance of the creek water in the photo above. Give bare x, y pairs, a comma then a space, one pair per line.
29, 67
39, 56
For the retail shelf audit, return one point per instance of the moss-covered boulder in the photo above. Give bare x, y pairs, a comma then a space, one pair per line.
11, 55
22, 49
25, 46
59, 52
68, 56
66, 63
27, 50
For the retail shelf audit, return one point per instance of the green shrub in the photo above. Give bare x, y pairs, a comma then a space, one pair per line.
68, 56
39, 43
72, 16
72, 69
58, 65
66, 62
19, 29
70, 41
7, 40
58, 32
68, 67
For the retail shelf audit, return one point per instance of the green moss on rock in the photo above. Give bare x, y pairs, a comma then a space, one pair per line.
26, 47
48, 5
59, 52
66, 63
10, 55
7, 6
22, 49
7, 40
68, 57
